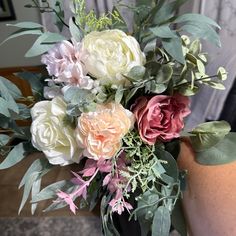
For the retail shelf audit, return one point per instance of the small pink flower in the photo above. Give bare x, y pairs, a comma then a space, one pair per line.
118, 204
161, 117
68, 199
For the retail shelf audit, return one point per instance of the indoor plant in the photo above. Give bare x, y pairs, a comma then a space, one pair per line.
115, 101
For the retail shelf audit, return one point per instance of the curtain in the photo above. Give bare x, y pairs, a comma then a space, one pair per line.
208, 103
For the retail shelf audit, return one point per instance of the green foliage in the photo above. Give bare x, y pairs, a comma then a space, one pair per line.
88, 22
31, 179
17, 154
208, 134
50, 191
222, 153
161, 222
81, 99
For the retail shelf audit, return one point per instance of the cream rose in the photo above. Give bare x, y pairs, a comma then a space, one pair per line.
110, 55
50, 135
100, 132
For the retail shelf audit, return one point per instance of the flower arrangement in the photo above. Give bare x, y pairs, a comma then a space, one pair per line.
113, 104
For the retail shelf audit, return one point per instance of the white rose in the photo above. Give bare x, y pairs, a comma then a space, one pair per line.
110, 54
51, 136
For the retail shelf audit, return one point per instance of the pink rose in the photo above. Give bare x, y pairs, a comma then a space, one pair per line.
161, 117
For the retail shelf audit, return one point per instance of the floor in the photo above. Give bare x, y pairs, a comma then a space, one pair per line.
57, 223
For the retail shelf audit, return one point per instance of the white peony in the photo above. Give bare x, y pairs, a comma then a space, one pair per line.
110, 54
51, 136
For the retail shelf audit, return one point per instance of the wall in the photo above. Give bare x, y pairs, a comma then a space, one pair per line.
12, 52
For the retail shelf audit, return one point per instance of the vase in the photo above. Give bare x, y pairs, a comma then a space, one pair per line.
209, 201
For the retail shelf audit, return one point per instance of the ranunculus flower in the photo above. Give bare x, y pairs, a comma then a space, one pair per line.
64, 62
100, 132
161, 117
110, 55
50, 135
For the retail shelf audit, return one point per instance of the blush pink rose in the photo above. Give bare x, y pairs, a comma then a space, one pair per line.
161, 117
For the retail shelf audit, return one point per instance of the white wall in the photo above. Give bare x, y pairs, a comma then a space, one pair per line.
12, 52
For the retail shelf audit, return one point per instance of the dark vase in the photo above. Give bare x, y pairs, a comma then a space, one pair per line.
126, 227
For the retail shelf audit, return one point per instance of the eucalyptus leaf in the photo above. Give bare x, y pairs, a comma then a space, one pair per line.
17, 154
53, 38
35, 190
27, 188
164, 74
188, 90
171, 167
34, 79
163, 31
75, 31
51, 190
12, 88
42, 44
6, 95
215, 84
223, 152
192, 17
26, 25
178, 219
119, 94
4, 107
222, 73
40, 166
203, 31
4, 139
209, 134
173, 47
161, 222
22, 32
136, 73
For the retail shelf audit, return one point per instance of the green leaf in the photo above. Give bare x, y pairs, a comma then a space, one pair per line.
188, 90
17, 154
164, 74
161, 222
215, 85
22, 32
35, 190
163, 31
171, 167
203, 31
4, 108
43, 44
51, 190
53, 38
32, 176
34, 79
26, 25
192, 17
4, 139
174, 48
10, 102
12, 88
119, 94
209, 134
223, 152
166, 11
28, 185
75, 31
178, 219
136, 73
222, 73
40, 166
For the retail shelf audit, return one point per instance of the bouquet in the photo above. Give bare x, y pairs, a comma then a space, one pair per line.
113, 104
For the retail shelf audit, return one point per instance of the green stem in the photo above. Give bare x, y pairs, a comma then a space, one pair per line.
197, 80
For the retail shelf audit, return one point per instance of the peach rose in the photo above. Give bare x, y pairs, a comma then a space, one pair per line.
100, 132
